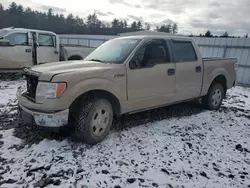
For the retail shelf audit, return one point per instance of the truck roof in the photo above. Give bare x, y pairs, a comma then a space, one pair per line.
23, 29
157, 37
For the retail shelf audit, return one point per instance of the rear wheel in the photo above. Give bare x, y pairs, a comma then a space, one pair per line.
75, 57
94, 121
214, 97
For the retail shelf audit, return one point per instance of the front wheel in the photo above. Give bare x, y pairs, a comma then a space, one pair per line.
94, 121
214, 97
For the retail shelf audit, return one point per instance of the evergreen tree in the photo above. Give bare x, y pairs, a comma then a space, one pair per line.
134, 25
25, 17
208, 34
225, 34
139, 25
115, 23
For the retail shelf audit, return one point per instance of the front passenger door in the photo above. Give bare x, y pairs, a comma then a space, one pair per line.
151, 76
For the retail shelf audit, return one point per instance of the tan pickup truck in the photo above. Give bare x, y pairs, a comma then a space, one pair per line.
20, 48
122, 76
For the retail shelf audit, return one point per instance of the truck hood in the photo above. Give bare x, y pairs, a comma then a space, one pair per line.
48, 70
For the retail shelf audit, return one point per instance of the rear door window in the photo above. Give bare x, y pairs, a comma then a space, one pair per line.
184, 51
46, 40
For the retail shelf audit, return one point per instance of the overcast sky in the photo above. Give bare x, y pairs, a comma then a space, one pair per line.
192, 16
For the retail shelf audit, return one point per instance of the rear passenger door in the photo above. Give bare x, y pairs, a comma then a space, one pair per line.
188, 70
46, 49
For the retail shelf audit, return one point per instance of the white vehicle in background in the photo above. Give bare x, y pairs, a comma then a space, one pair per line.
21, 48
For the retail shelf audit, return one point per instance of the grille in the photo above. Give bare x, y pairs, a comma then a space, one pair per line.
32, 82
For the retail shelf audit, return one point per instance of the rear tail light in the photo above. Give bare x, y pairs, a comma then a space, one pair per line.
235, 66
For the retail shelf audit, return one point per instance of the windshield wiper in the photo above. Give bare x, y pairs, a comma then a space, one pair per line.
98, 60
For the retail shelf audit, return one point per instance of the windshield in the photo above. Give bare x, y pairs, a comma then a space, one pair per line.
2, 33
113, 51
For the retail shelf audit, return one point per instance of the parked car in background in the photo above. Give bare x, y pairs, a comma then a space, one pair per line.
123, 76
20, 48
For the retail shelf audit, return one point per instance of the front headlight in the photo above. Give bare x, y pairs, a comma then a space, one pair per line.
47, 90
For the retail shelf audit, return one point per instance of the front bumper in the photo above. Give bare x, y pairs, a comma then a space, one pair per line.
33, 113
56, 119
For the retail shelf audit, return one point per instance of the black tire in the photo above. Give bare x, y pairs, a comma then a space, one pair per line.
75, 57
208, 100
88, 127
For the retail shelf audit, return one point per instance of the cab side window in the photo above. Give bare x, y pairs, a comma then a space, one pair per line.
184, 51
18, 39
152, 53
46, 40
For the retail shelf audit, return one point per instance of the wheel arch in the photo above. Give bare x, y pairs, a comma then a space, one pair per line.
218, 76
75, 57
97, 93
220, 79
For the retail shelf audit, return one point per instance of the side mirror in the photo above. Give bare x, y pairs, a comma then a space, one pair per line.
4, 42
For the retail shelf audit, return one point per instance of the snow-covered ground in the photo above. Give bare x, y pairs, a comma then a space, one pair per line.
178, 146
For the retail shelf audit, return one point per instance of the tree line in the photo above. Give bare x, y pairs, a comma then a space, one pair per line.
19, 16
208, 33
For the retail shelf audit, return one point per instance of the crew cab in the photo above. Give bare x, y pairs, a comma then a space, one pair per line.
20, 48
123, 76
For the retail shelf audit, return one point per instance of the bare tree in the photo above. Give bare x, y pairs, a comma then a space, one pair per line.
175, 28
147, 26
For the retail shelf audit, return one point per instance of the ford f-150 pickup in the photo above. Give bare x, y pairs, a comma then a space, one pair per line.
20, 48
123, 76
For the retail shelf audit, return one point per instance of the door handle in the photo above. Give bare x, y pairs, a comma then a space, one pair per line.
56, 52
27, 50
198, 69
171, 72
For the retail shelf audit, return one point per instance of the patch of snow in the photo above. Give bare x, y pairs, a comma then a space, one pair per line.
9, 139
193, 152
8, 94
238, 97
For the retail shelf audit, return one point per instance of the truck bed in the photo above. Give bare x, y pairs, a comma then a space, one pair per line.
218, 66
